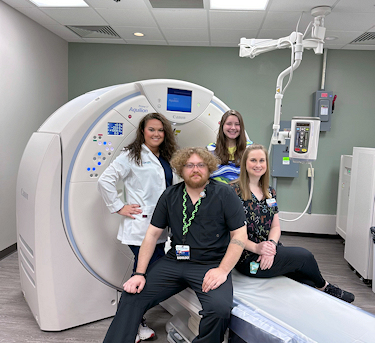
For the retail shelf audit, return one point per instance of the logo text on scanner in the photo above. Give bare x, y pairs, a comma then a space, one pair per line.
138, 110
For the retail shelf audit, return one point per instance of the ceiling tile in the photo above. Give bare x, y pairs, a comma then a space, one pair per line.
236, 19
272, 34
38, 16
299, 5
20, 3
187, 35
356, 47
127, 17
75, 16
286, 21
183, 19
127, 32
147, 42
182, 43
124, 4
230, 36
350, 21
362, 6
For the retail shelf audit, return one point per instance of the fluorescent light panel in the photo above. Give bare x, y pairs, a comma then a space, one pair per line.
59, 3
238, 5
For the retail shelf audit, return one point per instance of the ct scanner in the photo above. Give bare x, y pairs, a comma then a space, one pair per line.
72, 267
71, 263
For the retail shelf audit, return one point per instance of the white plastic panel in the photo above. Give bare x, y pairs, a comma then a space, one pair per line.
98, 150
211, 117
358, 244
343, 195
156, 92
95, 232
133, 110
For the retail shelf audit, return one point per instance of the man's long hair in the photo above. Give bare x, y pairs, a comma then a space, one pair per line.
166, 148
179, 159
221, 150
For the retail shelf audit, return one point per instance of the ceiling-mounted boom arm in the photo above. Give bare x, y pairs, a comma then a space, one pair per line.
254, 47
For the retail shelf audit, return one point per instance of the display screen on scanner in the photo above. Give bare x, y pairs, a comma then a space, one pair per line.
115, 129
179, 100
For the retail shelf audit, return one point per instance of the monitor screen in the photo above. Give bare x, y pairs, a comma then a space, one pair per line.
179, 100
115, 129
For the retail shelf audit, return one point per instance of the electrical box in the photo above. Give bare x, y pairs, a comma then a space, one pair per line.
281, 164
322, 108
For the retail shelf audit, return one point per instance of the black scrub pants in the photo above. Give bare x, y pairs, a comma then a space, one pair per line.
165, 278
296, 263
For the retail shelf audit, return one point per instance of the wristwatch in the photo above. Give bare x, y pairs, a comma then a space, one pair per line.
271, 240
142, 274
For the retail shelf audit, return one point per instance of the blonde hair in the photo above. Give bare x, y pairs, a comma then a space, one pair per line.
244, 180
180, 157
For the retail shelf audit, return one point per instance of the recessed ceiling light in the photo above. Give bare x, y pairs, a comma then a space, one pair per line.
60, 3
331, 38
138, 34
239, 5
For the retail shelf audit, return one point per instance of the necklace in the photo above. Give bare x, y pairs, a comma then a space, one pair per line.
186, 221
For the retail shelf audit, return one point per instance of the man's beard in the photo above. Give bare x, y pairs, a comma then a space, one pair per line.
196, 184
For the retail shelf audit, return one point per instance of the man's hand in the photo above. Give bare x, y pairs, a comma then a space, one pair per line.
129, 210
213, 279
135, 284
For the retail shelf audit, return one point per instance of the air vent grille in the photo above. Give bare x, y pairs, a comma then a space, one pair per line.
367, 38
94, 31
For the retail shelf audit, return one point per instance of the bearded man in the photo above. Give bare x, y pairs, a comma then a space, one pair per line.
208, 229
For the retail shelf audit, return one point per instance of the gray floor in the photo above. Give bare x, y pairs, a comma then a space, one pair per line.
18, 325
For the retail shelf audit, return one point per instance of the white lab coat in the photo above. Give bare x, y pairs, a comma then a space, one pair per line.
143, 186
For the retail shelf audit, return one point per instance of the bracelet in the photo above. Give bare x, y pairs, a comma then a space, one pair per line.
271, 240
141, 274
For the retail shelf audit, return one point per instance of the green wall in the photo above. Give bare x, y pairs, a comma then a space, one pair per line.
248, 85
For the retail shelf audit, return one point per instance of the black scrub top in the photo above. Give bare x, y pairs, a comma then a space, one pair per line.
219, 213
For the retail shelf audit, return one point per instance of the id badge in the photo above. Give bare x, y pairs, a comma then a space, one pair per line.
254, 267
183, 252
271, 202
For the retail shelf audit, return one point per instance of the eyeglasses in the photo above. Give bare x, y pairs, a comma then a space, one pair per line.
192, 165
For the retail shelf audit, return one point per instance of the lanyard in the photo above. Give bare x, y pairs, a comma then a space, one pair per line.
186, 221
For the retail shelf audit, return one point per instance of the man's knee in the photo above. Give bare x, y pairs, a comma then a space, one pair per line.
217, 309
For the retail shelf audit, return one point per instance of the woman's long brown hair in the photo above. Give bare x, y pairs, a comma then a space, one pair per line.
166, 148
221, 150
244, 180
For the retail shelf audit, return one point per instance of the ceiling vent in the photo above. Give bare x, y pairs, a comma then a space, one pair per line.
94, 31
176, 4
367, 38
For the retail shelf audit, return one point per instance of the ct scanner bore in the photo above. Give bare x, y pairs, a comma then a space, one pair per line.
71, 264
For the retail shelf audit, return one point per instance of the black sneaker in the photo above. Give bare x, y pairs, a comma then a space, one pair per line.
339, 293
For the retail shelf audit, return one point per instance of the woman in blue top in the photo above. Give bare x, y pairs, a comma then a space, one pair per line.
264, 256
230, 144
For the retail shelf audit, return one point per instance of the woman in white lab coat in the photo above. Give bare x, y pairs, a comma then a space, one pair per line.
144, 168
230, 144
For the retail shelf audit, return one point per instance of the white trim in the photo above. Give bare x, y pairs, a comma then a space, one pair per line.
309, 223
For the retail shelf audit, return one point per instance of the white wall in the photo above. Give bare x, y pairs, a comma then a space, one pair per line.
33, 84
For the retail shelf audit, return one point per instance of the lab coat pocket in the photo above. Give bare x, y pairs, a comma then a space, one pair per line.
140, 224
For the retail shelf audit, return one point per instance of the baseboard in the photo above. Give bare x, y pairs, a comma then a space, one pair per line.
309, 223
4, 253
